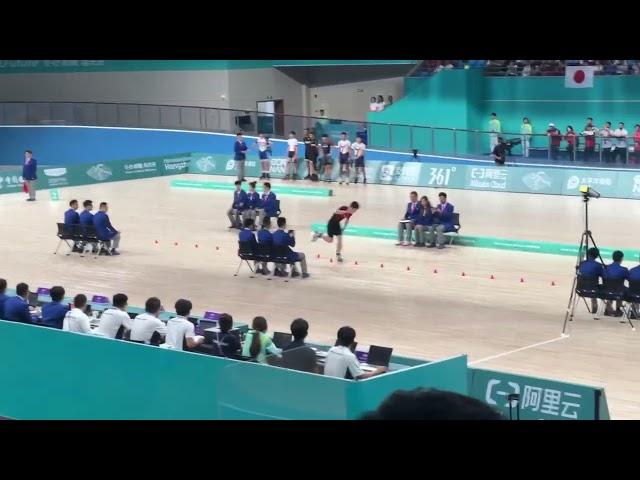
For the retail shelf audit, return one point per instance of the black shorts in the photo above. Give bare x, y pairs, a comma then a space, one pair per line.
327, 160
291, 155
360, 162
264, 155
344, 158
333, 227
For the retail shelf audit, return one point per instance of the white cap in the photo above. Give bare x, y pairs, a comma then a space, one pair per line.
551, 125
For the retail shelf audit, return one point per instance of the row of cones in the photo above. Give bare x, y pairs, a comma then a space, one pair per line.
175, 244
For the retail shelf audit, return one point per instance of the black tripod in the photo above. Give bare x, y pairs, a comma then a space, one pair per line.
582, 251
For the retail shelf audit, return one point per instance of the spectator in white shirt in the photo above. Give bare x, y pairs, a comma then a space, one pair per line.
341, 361
76, 319
292, 155
381, 103
607, 146
180, 331
373, 105
621, 143
146, 324
116, 318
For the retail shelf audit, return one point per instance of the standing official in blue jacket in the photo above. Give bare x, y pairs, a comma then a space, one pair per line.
29, 175
238, 206
106, 232
240, 155
444, 217
409, 220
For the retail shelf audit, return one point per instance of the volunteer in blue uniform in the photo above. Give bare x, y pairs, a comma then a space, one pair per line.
247, 235
86, 217
71, 216
634, 278
281, 237
238, 206
106, 232
29, 174
405, 226
53, 313
269, 205
240, 155
444, 216
423, 222
3, 296
615, 271
254, 203
265, 238
591, 268
16, 309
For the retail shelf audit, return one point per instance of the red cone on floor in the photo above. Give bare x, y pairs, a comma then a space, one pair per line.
521, 280
318, 256
463, 274
435, 270
175, 243
217, 248
408, 268
156, 242
356, 262
492, 277
330, 260
196, 245
553, 284
381, 265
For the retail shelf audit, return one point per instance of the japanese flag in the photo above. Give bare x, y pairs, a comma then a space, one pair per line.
578, 77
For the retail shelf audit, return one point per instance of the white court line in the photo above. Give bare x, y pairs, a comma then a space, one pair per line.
561, 337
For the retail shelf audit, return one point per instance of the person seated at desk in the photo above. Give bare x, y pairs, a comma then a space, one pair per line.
16, 309
148, 324
254, 203
432, 404
405, 226
226, 344
106, 231
268, 204
257, 344
76, 319
444, 216
265, 238
180, 331
341, 362
71, 216
591, 268
86, 217
115, 320
238, 205
304, 357
615, 271
423, 222
3, 296
53, 313
280, 238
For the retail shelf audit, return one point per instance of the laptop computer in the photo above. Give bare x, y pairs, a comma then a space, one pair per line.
281, 339
32, 299
211, 334
203, 325
379, 356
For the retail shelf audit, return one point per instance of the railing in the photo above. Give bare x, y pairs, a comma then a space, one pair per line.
435, 141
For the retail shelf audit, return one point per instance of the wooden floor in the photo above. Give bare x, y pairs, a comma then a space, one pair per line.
418, 312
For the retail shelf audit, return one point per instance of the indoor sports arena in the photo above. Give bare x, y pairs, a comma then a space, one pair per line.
319, 239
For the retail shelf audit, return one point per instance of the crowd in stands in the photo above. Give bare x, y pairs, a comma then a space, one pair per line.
526, 68
593, 269
179, 332
377, 104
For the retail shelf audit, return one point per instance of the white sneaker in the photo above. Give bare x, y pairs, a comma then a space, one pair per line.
405, 244
339, 258
398, 244
315, 236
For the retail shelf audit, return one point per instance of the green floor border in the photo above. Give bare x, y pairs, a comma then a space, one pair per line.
277, 189
551, 248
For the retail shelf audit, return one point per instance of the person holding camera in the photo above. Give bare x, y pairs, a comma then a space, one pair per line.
282, 237
500, 152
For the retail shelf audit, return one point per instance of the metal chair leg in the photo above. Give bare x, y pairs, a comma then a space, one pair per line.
58, 247
239, 267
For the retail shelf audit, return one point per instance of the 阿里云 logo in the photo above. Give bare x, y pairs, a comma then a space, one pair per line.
99, 172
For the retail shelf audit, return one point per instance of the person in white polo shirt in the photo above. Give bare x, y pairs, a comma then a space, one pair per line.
341, 361
621, 143
76, 319
114, 318
292, 157
147, 323
181, 331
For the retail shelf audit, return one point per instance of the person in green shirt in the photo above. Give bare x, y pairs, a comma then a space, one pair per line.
494, 129
526, 130
257, 344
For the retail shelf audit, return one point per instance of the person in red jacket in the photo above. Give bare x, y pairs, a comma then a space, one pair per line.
555, 137
589, 133
636, 144
572, 143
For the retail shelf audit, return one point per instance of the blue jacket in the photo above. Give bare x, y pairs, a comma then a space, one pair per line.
71, 217
253, 200
53, 314
265, 237
240, 150
413, 211
16, 309
425, 217
615, 271
280, 237
634, 276
239, 200
29, 171
86, 218
445, 217
247, 235
3, 299
590, 268
103, 226
269, 204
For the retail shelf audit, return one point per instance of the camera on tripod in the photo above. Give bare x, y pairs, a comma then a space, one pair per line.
588, 192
